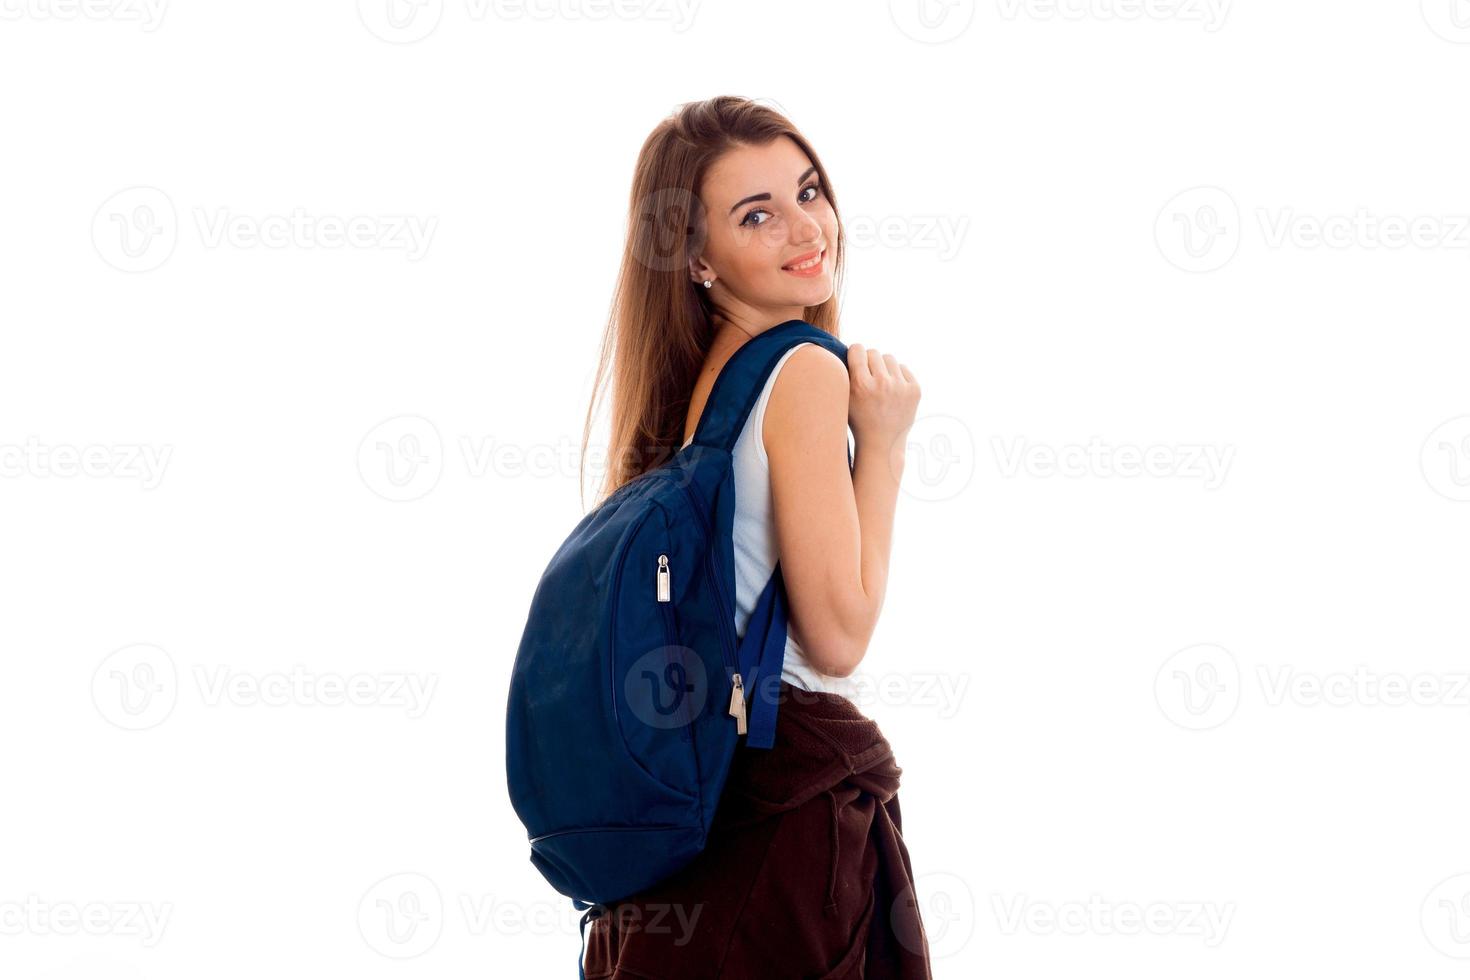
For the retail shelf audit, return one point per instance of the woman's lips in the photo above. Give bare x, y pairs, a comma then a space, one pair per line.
813, 270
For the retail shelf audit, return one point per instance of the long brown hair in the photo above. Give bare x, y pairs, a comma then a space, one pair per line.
661, 325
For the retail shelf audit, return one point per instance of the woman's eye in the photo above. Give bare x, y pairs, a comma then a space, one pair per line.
816, 189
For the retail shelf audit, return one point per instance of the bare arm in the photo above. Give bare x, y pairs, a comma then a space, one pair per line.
834, 530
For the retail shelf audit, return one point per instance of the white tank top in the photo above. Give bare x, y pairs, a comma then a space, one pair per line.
755, 541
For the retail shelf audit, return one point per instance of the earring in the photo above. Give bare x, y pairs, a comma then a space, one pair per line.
708, 283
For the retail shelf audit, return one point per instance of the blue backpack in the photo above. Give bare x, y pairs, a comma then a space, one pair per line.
630, 689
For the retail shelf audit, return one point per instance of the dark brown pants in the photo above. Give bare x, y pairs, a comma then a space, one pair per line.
805, 873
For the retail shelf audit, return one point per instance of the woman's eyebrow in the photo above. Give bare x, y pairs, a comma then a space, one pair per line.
766, 197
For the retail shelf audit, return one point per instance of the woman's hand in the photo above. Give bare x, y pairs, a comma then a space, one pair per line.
883, 397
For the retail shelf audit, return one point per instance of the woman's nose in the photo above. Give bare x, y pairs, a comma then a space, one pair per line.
805, 228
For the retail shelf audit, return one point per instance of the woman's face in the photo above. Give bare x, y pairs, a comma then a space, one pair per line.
767, 215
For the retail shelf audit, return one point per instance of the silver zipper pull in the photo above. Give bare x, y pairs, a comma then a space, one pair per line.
663, 578
737, 704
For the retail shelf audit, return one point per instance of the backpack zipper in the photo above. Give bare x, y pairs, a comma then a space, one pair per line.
737, 689
737, 709
737, 703
667, 613
663, 593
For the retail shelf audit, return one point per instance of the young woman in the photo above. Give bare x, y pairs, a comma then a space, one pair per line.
734, 229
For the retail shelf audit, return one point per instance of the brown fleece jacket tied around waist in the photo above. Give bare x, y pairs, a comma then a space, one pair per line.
805, 873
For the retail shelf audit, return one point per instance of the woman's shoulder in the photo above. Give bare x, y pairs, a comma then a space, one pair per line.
810, 372
808, 397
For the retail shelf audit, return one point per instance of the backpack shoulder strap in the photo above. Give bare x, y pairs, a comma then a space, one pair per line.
762, 651
744, 376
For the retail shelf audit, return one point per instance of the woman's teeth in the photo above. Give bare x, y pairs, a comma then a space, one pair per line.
807, 264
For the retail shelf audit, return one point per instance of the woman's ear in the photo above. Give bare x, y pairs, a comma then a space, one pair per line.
699, 272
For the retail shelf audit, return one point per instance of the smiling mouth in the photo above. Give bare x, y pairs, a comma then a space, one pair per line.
806, 263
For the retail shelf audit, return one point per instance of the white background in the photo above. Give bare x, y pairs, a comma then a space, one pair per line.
1170, 694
